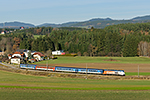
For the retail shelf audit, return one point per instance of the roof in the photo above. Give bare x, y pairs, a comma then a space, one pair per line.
38, 53
21, 53
10, 55
15, 57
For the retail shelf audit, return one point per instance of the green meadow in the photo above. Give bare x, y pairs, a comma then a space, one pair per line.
15, 86
78, 59
37, 36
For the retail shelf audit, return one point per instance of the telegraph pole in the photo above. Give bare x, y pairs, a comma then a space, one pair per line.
138, 71
47, 65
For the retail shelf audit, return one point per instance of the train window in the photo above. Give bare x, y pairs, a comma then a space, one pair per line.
92, 70
83, 70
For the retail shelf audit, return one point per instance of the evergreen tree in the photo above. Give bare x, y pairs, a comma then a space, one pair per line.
130, 46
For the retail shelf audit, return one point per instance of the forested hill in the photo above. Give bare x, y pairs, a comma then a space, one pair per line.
95, 22
16, 25
126, 40
100, 22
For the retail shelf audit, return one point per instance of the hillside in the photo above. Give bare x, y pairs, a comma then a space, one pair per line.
100, 22
95, 22
15, 25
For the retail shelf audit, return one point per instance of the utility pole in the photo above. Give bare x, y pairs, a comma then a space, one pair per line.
47, 65
138, 71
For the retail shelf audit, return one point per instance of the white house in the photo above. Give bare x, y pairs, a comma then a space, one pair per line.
24, 51
2, 32
38, 56
58, 52
15, 60
18, 54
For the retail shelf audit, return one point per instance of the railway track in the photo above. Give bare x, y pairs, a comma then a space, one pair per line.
13, 68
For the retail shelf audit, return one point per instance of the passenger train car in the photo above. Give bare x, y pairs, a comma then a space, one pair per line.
45, 68
28, 66
89, 70
75, 70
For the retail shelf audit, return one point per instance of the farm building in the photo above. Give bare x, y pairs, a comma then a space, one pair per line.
15, 60
38, 56
58, 52
18, 54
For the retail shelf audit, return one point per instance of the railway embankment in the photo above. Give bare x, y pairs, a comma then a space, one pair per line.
16, 69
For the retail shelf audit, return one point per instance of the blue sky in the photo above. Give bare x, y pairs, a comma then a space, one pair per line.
60, 11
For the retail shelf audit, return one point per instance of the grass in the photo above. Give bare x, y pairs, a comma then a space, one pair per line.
15, 86
11, 94
136, 73
124, 60
36, 36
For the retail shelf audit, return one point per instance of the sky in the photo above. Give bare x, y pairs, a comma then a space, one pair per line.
61, 11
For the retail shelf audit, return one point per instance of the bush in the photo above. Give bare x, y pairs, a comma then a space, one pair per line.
85, 54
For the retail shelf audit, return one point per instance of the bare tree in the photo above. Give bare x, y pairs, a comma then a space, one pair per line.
48, 52
143, 48
3, 43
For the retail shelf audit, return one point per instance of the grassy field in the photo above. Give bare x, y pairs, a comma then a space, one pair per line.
17, 86
36, 36
128, 64
135, 73
122, 60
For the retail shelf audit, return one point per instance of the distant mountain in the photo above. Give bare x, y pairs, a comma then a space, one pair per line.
101, 19
68, 24
142, 18
100, 22
95, 22
15, 25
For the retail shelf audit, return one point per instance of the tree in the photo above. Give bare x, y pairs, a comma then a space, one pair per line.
130, 46
48, 52
17, 41
14, 47
92, 50
23, 44
3, 43
144, 48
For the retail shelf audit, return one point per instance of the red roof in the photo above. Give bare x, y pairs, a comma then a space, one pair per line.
21, 53
38, 53
10, 55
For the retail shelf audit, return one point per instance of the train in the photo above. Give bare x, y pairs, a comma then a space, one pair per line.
75, 70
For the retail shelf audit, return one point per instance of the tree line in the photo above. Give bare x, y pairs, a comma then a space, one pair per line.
126, 40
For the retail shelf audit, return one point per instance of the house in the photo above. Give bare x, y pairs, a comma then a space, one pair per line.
16, 57
15, 60
38, 56
3, 32
1, 53
22, 54
18, 54
9, 56
21, 28
58, 52
25, 51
